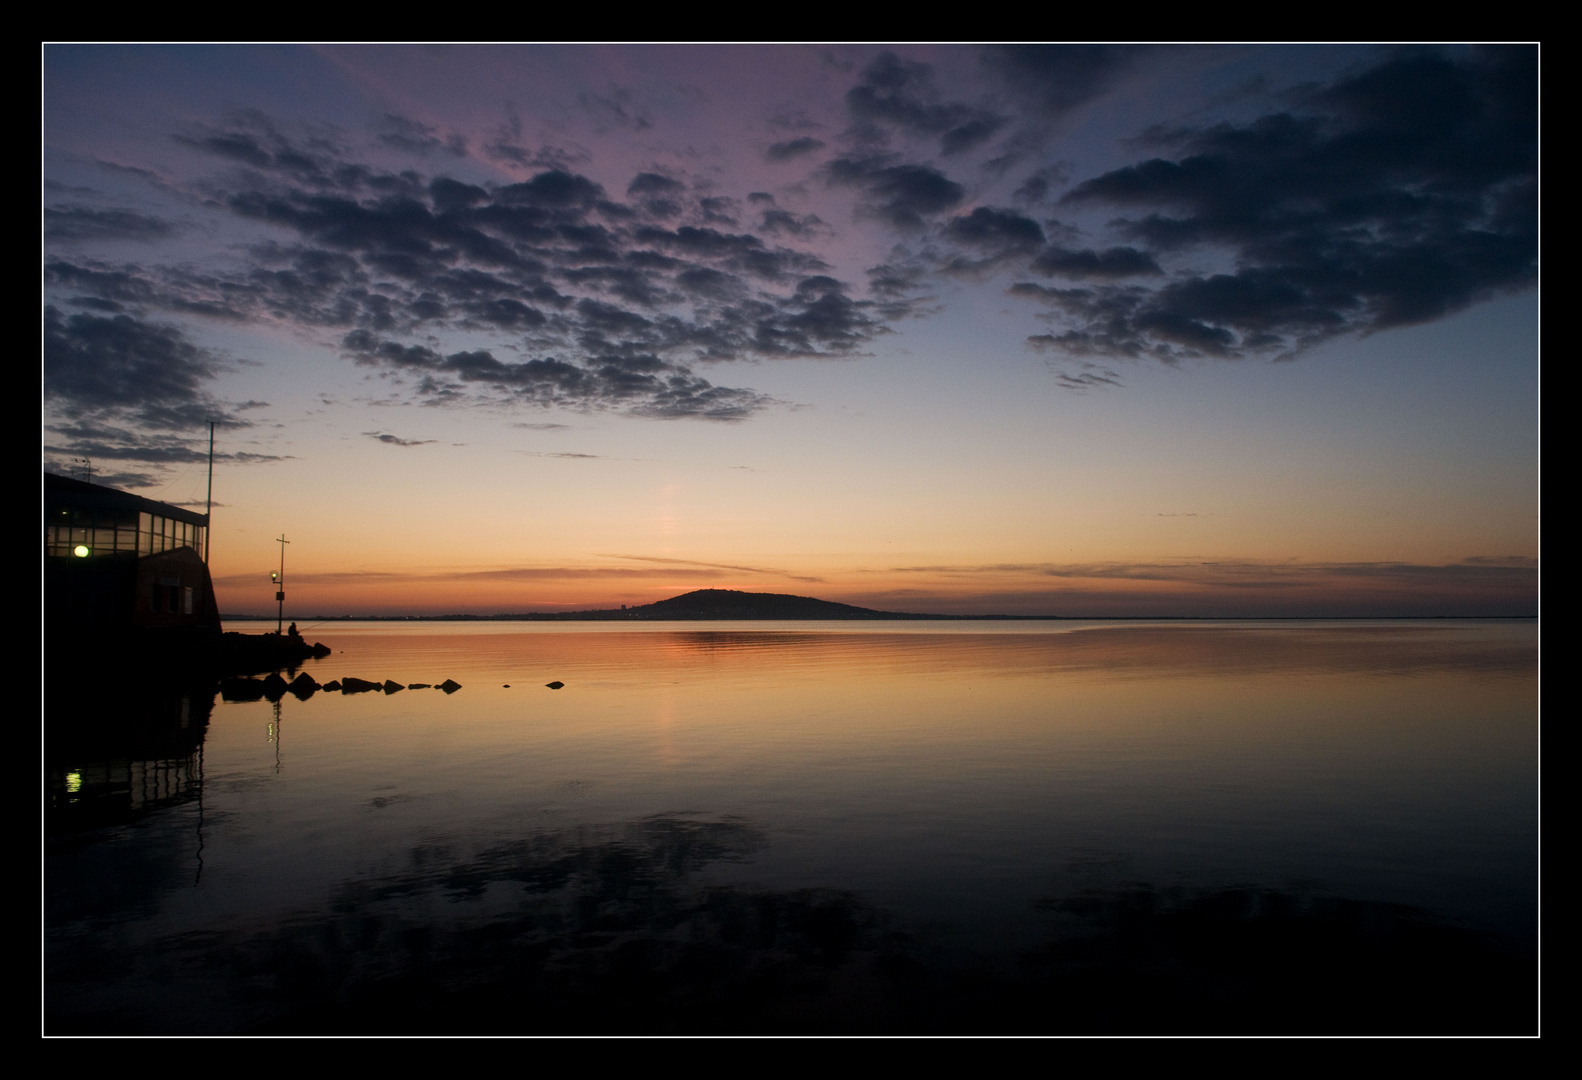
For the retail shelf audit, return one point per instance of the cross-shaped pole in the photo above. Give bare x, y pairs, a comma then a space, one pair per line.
280, 584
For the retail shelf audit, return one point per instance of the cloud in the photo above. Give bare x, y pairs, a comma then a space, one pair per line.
1054, 79
1223, 588
901, 95
793, 148
86, 223
120, 366
590, 302
392, 440
617, 108
640, 384
496, 575
1396, 195
899, 193
415, 137
121, 388
717, 566
1255, 574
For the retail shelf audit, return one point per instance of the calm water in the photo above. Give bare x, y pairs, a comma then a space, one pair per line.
1021, 827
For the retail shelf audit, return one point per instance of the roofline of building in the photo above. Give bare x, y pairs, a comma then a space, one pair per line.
82, 493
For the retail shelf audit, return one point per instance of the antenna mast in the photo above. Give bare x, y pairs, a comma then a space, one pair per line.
208, 503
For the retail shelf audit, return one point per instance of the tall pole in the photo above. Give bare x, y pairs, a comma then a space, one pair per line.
280, 584
208, 503
208, 529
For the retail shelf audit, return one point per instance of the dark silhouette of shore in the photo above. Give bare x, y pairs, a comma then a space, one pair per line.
699, 604
726, 604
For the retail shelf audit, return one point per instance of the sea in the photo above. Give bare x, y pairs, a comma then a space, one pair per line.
1028, 828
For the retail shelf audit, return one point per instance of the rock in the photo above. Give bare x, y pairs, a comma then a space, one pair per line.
507, 686
556, 685
359, 686
303, 686
320, 649
274, 686
418, 685
391, 686
450, 686
331, 687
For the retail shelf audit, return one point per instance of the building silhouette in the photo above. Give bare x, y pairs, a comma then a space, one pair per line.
117, 565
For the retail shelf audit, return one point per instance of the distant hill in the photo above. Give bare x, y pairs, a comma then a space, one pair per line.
733, 604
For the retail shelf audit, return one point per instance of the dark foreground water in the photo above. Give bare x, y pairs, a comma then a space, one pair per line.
716, 828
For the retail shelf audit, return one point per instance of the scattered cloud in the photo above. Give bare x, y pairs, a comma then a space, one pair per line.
793, 148
716, 566
392, 440
894, 94
68, 223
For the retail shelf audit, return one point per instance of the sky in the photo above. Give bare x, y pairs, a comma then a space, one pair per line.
1070, 330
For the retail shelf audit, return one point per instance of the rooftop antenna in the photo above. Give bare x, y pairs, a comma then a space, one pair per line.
87, 466
208, 502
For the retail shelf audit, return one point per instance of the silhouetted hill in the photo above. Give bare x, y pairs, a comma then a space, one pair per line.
732, 604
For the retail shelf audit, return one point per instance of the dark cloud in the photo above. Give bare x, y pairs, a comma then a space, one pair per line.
416, 137
123, 366
996, 229
606, 306
1087, 377
392, 440
777, 222
642, 385
1395, 196
1053, 79
121, 388
1036, 188
1115, 262
719, 209
618, 108
793, 148
900, 94
86, 223
99, 440
990, 236
316, 157
900, 194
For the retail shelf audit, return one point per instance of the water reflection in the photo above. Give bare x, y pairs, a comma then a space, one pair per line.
616, 930
1128, 828
113, 756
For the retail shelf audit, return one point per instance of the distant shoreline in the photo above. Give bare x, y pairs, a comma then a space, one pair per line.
733, 605
621, 617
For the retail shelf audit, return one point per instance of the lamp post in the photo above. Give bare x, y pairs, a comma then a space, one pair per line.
280, 584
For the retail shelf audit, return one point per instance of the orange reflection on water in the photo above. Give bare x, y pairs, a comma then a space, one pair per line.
1230, 705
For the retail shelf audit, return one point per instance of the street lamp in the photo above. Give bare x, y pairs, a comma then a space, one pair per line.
279, 578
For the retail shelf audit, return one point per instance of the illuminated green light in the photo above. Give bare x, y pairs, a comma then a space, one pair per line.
81, 551
74, 782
